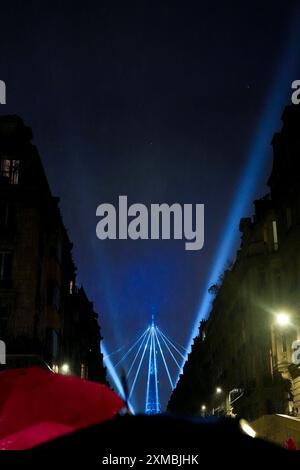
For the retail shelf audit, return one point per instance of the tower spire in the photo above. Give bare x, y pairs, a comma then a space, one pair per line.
152, 396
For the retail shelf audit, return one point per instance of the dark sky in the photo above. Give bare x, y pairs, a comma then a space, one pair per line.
156, 100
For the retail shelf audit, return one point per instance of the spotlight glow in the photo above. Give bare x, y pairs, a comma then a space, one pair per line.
247, 429
282, 319
159, 349
65, 369
257, 156
114, 376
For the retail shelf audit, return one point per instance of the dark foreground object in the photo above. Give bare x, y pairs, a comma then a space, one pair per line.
156, 440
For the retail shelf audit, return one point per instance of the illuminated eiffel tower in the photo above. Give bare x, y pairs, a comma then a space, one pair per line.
153, 348
152, 406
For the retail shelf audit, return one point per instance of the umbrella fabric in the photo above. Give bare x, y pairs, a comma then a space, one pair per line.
37, 405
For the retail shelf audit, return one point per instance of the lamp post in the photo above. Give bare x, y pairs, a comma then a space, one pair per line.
284, 330
280, 327
230, 401
218, 392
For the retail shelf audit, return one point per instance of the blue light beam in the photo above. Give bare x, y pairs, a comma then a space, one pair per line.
129, 351
174, 358
164, 361
136, 356
139, 367
287, 72
115, 378
171, 343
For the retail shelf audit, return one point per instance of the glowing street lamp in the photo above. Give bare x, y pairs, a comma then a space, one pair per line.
65, 368
218, 390
282, 319
203, 408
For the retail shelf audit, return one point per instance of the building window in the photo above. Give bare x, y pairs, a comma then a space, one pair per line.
5, 265
9, 170
275, 235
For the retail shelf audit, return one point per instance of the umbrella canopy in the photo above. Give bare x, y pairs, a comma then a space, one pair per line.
37, 405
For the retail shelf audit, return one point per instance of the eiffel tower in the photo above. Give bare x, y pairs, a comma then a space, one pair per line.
152, 406
151, 352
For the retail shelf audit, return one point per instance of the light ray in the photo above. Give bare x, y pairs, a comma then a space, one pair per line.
278, 97
136, 356
129, 351
171, 343
139, 367
115, 378
164, 361
174, 358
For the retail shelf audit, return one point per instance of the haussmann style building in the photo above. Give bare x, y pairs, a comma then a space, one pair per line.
44, 317
242, 361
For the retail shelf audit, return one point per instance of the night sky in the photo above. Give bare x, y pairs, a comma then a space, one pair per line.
156, 100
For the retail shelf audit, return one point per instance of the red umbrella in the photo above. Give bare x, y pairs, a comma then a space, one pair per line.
37, 405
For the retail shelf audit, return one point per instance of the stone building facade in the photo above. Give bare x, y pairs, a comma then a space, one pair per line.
43, 315
244, 349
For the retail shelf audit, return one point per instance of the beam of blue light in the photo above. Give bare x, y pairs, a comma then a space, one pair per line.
139, 367
149, 370
114, 352
166, 344
129, 350
287, 72
172, 344
164, 361
136, 356
115, 378
177, 344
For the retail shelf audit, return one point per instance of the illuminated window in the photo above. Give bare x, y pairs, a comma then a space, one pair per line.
9, 170
71, 287
275, 235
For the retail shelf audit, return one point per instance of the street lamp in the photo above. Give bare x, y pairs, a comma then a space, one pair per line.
218, 390
282, 319
65, 368
203, 411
